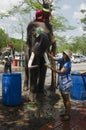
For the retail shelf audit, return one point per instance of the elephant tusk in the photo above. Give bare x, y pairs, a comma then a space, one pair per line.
46, 59
31, 61
33, 66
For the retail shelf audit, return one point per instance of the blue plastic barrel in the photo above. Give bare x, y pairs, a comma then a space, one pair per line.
78, 90
11, 89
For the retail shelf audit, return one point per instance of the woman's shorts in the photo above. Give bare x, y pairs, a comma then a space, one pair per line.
66, 91
65, 83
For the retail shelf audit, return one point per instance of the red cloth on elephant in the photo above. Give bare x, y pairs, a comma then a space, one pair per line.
39, 15
43, 15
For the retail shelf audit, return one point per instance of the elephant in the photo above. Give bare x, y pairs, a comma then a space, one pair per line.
36, 59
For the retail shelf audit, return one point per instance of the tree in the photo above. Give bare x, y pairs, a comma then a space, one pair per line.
59, 22
4, 39
26, 7
83, 20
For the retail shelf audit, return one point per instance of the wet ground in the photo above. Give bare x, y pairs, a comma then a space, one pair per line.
43, 114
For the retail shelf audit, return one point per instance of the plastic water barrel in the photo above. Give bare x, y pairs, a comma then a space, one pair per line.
14, 62
21, 62
11, 89
78, 90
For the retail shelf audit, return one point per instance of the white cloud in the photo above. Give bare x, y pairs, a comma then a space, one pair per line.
78, 15
77, 32
83, 6
2, 11
7, 4
81, 30
65, 7
13, 18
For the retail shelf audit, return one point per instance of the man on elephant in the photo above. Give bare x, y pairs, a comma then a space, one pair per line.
44, 15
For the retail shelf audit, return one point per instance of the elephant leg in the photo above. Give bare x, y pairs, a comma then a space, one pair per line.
33, 84
33, 79
42, 79
25, 86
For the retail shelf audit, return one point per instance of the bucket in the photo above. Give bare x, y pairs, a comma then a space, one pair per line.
78, 90
21, 62
14, 62
11, 89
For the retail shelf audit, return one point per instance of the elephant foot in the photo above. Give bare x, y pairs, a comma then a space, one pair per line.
52, 88
41, 93
32, 97
25, 88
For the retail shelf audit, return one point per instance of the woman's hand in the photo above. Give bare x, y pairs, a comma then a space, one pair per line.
51, 56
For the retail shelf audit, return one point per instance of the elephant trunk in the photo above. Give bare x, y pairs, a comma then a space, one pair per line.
46, 59
31, 61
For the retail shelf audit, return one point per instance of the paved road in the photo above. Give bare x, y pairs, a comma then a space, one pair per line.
79, 67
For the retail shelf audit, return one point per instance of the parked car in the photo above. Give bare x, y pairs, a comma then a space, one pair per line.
75, 59
82, 58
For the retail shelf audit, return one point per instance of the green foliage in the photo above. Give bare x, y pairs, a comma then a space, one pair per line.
19, 45
4, 39
83, 20
34, 4
78, 45
60, 23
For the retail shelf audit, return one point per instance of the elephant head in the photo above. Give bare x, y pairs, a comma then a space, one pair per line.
41, 44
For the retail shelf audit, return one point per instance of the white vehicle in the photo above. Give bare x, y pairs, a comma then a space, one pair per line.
83, 58
75, 59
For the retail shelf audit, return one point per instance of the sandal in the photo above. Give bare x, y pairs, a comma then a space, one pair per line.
65, 118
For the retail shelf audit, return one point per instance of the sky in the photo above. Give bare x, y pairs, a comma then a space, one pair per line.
70, 9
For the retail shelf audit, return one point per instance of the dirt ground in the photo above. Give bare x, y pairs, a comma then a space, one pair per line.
33, 116
30, 116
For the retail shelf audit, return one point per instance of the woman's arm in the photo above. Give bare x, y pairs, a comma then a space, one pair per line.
63, 70
51, 56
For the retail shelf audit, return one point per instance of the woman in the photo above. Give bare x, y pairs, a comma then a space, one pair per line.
64, 80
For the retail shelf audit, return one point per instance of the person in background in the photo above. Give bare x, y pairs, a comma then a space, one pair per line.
7, 64
64, 80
